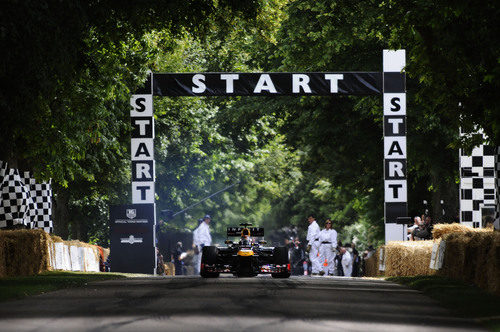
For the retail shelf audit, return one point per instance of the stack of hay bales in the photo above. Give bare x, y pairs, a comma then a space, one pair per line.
24, 252
473, 256
29, 252
440, 230
408, 258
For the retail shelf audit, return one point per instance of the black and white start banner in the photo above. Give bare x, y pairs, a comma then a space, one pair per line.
265, 84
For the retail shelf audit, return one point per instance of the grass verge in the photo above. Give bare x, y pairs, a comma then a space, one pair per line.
19, 287
463, 299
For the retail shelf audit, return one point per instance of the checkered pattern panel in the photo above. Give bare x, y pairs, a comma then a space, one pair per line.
23, 201
42, 199
16, 201
477, 183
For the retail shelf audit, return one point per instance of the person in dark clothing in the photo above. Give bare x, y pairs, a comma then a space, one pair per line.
421, 232
356, 261
297, 257
160, 267
338, 260
178, 259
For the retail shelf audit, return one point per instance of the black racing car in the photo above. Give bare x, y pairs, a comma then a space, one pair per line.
245, 258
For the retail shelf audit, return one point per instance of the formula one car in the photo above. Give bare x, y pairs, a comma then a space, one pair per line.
245, 258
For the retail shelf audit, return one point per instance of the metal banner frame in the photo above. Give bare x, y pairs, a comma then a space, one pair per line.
391, 83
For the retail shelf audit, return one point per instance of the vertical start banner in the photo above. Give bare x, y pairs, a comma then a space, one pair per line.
141, 149
395, 174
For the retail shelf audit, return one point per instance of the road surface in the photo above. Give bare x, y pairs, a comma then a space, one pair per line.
232, 304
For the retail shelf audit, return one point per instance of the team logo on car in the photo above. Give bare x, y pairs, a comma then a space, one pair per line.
131, 213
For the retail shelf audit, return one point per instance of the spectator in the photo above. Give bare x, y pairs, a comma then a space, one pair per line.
411, 228
178, 259
421, 232
356, 261
346, 262
297, 258
160, 264
429, 224
338, 260
370, 251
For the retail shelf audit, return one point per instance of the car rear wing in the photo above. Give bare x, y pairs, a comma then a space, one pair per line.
236, 231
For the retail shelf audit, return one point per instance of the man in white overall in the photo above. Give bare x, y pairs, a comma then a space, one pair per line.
313, 244
346, 262
327, 244
201, 238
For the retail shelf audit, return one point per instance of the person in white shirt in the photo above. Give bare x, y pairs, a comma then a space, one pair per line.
346, 262
313, 244
201, 238
410, 229
327, 244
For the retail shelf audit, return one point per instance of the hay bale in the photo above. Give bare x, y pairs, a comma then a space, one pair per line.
371, 266
56, 238
440, 230
169, 269
484, 243
493, 264
24, 252
408, 258
454, 255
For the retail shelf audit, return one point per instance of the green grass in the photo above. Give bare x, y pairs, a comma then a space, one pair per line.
463, 299
19, 287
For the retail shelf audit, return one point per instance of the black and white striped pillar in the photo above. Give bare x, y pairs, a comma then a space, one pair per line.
395, 172
142, 152
496, 224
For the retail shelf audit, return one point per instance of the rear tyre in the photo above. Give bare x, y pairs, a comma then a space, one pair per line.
280, 255
209, 256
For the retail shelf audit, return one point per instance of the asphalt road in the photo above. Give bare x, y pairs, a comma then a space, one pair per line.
232, 304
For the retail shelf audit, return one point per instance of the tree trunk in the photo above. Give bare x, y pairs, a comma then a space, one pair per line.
60, 212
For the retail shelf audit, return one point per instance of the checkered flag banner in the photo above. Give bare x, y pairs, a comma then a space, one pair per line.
42, 199
24, 202
16, 201
496, 224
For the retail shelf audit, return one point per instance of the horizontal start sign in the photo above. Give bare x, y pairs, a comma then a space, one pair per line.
265, 84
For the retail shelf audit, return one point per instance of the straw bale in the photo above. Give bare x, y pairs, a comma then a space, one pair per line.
493, 265
56, 238
24, 252
408, 258
169, 269
483, 243
455, 255
371, 265
440, 230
